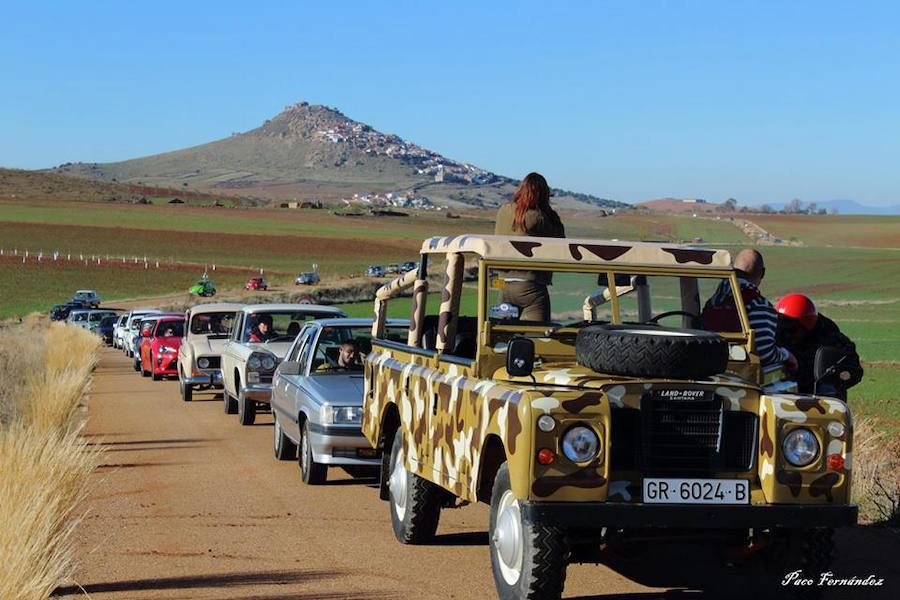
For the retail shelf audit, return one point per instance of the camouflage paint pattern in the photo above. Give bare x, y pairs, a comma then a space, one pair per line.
449, 309
419, 301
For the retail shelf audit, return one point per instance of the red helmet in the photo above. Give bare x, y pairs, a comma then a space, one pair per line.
800, 307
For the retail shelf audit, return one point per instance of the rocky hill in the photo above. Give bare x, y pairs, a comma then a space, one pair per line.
315, 152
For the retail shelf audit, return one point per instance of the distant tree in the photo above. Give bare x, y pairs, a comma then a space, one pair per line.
766, 209
823, 211
811, 208
795, 206
730, 205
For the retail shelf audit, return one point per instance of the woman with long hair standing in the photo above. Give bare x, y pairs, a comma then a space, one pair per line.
529, 214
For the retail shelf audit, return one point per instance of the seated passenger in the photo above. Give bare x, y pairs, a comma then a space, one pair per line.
262, 332
348, 359
803, 330
720, 312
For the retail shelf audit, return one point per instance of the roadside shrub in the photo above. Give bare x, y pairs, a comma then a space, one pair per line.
44, 466
876, 473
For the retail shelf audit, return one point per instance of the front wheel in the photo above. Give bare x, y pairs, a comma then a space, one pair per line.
157, 377
528, 560
284, 448
187, 392
311, 472
415, 502
231, 406
246, 410
809, 551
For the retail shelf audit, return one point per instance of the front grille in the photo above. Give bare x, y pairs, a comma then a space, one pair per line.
680, 433
265, 377
739, 434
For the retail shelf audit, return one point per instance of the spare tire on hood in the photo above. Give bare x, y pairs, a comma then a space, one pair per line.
650, 351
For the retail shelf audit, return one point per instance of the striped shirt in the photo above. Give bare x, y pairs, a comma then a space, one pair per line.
762, 315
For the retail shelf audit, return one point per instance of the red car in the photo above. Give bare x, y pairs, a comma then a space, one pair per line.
159, 347
256, 283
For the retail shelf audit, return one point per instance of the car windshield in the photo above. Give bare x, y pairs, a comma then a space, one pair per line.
277, 326
212, 323
108, 321
169, 329
83, 295
342, 348
79, 316
577, 298
136, 324
98, 316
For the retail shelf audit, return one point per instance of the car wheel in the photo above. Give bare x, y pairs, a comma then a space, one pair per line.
231, 407
136, 364
810, 551
284, 448
144, 373
157, 377
311, 472
187, 392
246, 410
415, 502
528, 559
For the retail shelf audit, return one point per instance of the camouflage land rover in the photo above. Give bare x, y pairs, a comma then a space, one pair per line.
620, 414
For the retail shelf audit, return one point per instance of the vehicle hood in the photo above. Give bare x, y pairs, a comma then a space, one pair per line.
279, 349
171, 342
205, 346
573, 375
337, 389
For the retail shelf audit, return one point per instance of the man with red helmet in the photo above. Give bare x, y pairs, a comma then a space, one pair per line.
802, 330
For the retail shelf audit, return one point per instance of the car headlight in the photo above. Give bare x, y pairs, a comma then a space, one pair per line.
580, 444
344, 415
254, 363
268, 363
203, 363
166, 349
800, 447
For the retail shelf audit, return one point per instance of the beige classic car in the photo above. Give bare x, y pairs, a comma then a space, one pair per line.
200, 355
260, 338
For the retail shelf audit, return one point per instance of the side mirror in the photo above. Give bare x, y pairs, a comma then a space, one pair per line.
828, 364
290, 368
520, 357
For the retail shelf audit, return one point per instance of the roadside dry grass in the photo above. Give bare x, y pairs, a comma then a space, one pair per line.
44, 466
876, 473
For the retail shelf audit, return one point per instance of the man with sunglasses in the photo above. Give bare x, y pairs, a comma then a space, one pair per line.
803, 330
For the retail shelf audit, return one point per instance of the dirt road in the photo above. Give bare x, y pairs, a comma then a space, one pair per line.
189, 504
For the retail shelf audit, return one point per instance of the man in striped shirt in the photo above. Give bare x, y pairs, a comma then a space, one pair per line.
720, 313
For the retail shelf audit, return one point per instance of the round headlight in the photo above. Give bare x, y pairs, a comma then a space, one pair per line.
800, 447
580, 444
546, 423
268, 363
253, 363
203, 363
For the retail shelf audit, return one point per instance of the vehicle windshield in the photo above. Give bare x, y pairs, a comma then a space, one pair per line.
341, 349
579, 298
79, 316
108, 321
84, 295
277, 326
218, 323
169, 329
136, 324
99, 316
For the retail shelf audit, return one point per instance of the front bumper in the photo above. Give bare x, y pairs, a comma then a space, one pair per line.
341, 445
258, 392
166, 364
211, 377
596, 515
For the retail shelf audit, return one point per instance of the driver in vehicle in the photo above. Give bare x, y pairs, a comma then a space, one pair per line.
169, 332
348, 358
720, 311
262, 332
803, 330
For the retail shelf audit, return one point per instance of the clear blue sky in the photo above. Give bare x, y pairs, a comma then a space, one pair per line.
762, 101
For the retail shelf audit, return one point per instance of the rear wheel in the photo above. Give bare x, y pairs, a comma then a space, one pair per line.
246, 410
136, 364
528, 559
284, 448
311, 472
415, 502
809, 551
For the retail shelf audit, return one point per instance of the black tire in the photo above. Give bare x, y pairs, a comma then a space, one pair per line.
649, 351
246, 410
156, 377
231, 405
415, 503
542, 558
187, 391
311, 472
284, 448
810, 551
136, 364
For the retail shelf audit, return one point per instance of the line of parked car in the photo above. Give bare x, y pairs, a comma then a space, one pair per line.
235, 350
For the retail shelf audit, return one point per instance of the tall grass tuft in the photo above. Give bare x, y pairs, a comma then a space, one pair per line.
44, 467
876, 473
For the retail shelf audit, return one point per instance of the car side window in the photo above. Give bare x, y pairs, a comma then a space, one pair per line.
238, 326
298, 345
306, 350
